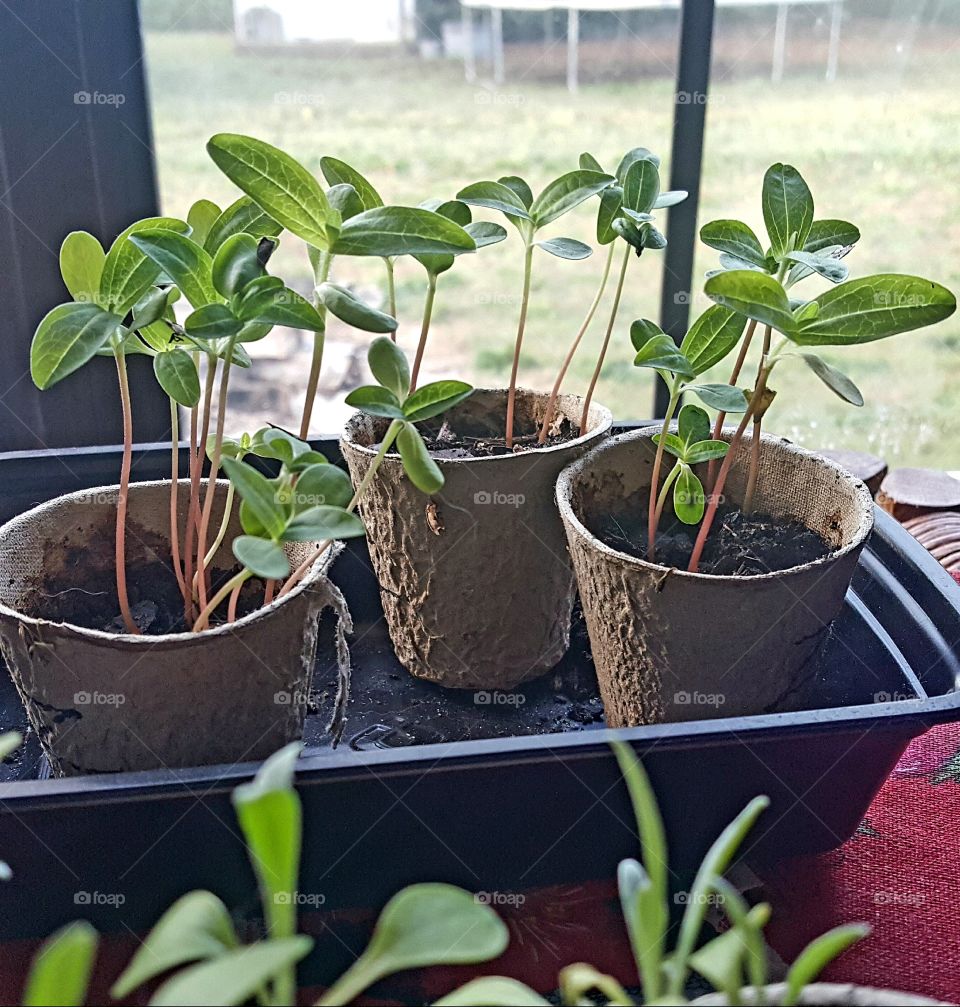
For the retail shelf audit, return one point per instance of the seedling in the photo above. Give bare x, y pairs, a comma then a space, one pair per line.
313, 501
730, 962
711, 338
197, 942
513, 197
691, 445
349, 220
850, 313
625, 212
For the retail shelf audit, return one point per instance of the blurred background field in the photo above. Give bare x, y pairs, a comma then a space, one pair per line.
879, 146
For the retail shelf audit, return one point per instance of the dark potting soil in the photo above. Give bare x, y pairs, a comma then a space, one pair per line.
444, 441
79, 586
739, 544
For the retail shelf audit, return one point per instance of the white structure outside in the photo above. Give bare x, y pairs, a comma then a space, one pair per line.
573, 8
275, 22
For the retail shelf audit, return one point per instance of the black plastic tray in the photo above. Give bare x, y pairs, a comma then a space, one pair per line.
433, 785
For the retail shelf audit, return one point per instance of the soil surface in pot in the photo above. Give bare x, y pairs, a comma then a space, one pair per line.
79, 586
741, 545
484, 436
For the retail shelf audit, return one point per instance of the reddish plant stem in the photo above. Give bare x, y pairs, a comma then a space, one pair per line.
574, 346
268, 591
653, 511
212, 480
198, 443
754, 474
424, 330
521, 325
121, 531
174, 486
232, 605
717, 490
606, 339
734, 377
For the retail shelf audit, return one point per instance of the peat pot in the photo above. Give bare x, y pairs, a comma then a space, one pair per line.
476, 581
671, 645
823, 995
104, 702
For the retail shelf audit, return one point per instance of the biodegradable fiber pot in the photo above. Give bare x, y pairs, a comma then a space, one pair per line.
671, 645
476, 582
102, 702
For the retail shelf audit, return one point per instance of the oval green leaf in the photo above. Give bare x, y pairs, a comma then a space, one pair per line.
421, 469
184, 261
566, 192
787, 208
388, 364
435, 398
835, 380
127, 271
495, 196
322, 485
755, 295
236, 264
340, 173
736, 238
242, 216
60, 972
711, 337
565, 248
350, 309
177, 375
376, 401
401, 230
317, 524
259, 493
81, 264
213, 321
725, 398
66, 338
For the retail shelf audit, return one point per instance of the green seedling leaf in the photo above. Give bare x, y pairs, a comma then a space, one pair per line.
280, 185
177, 375
642, 331
672, 444
234, 977
520, 187
270, 815
388, 365
670, 198
611, 203
401, 230
426, 924
202, 215
262, 556
350, 309
662, 353
817, 955
272, 306
376, 401
213, 321
565, 248
492, 991
750, 923
641, 186
340, 173
805, 311
826, 233
66, 338
322, 484
10, 741
711, 337
589, 162
435, 398
127, 272
787, 208
566, 192
421, 469
272, 442
495, 196
631, 157
485, 232
735, 238
693, 424
644, 889
725, 398
236, 264
705, 451
196, 927
453, 209
874, 307
636, 216
259, 493
755, 295
688, 497
835, 380
60, 972
579, 981
320, 523
826, 266
242, 216
149, 309
81, 264
721, 961
714, 865
345, 200
183, 260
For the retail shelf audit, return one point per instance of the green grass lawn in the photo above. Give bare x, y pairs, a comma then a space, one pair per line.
880, 151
